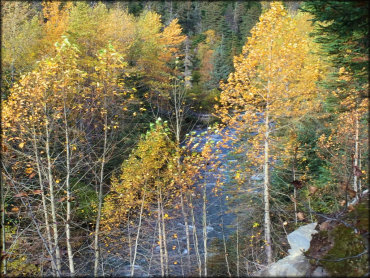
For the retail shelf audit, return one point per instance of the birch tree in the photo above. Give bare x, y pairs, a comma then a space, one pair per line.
34, 117
273, 82
58, 128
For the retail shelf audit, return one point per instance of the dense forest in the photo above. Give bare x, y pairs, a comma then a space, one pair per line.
182, 138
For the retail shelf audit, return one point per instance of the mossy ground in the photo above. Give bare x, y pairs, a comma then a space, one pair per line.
334, 246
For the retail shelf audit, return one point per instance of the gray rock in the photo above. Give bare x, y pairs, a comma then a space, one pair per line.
300, 239
319, 272
290, 266
296, 264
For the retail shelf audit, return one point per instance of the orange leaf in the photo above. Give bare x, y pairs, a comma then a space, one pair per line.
21, 194
62, 199
29, 170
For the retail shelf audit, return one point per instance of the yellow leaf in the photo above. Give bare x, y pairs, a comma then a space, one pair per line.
29, 170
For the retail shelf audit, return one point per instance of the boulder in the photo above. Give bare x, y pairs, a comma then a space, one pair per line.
300, 239
296, 264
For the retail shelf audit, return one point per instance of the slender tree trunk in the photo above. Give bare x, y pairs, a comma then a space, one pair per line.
52, 200
160, 238
355, 162
129, 240
266, 191
171, 11
180, 255
67, 227
295, 190
187, 64
178, 102
237, 248
224, 243
359, 166
137, 235
43, 200
309, 207
164, 234
196, 245
186, 230
234, 28
100, 194
4, 260
205, 227
12, 72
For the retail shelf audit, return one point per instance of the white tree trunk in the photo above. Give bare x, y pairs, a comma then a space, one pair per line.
164, 234
100, 194
205, 227
266, 196
52, 200
186, 230
68, 218
137, 235
196, 245
237, 248
160, 238
4, 260
295, 190
43, 200
224, 243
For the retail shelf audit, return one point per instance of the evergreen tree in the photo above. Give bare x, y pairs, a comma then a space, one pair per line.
343, 32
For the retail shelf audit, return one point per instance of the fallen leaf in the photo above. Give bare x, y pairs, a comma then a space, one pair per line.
351, 208
62, 199
21, 194
300, 216
29, 170
312, 189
